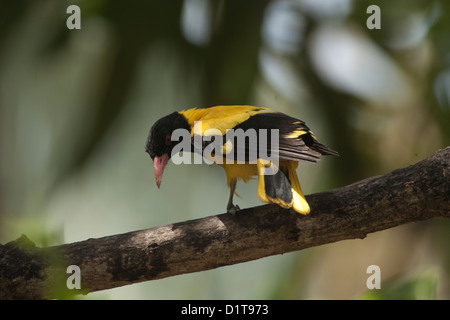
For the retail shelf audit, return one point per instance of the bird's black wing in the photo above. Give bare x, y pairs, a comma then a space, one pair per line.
295, 140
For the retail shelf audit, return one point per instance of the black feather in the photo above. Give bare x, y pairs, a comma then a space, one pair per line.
156, 141
294, 148
278, 186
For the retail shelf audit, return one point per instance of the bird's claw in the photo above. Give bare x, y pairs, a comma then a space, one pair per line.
233, 209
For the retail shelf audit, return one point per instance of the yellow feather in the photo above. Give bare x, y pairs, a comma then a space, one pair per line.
244, 172
220, 117
295, 134
299, 202
261, 186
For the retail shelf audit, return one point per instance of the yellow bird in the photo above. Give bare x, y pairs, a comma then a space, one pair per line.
243, 154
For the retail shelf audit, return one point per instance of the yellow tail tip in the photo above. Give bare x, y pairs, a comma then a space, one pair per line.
300, 205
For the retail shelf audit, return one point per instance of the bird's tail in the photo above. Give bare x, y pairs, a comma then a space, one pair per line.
282, 188
299, 202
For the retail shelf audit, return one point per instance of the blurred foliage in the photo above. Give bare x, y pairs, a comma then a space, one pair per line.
76, 107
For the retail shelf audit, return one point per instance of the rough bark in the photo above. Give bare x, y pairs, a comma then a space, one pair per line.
405, 195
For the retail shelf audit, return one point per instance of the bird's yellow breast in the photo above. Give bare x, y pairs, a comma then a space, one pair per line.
244, 171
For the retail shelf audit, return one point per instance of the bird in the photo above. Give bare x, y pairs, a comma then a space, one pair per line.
277, 178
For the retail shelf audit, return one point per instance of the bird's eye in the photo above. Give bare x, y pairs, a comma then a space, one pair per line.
168, 140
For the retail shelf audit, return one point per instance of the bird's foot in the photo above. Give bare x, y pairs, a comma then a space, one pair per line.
232, 209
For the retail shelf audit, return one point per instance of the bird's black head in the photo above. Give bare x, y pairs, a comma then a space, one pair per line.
159, 142
159, 139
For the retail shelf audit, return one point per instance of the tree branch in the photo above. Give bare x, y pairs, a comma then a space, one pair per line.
406, 195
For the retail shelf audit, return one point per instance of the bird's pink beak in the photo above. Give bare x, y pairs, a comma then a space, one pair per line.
160, 164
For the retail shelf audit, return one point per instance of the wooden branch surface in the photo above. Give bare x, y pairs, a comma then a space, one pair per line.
405, 195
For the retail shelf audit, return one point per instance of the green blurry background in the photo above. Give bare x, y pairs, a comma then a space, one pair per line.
76, 107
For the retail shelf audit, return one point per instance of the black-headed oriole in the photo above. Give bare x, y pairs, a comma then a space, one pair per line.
295, 142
